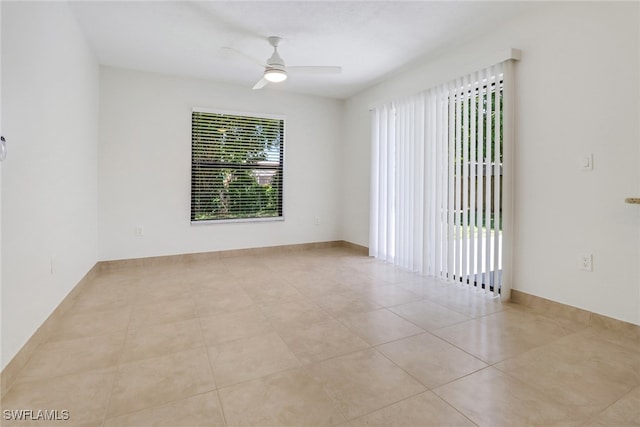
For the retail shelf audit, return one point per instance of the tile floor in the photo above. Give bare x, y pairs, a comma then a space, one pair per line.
317, 338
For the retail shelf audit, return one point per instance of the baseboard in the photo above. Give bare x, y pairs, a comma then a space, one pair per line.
585, 317
362, 250
217, 255
10, 372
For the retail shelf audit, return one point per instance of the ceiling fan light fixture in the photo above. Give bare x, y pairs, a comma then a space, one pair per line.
275, 75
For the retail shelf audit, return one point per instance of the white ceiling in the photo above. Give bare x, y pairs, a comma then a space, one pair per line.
369, 39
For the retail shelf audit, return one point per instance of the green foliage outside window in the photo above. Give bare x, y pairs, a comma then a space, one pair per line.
236, 167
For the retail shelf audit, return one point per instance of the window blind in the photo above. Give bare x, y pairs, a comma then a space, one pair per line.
440, 185
236, 167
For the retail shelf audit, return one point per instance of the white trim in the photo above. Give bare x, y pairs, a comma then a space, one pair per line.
237, 220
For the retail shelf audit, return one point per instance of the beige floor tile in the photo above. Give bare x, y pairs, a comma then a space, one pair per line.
579, 371
427, 286
316, 287
389, 295
290, 398
346, 303
229, 327
428, 315
423, 410
245, 264
164, 270
57, 358
274, 293
103, 298
214, 282
202, 410
250, 358
319, 341
493, 399
430, 360
83, 395
161, 339
624, 412
91, 323
222, 301
152, 382
380, 326
348, 277
466, 300
206, 266
160, 312
118, 277
387, 273
620, 338
502, 335
370, 282
297, 313
363, 382
159, 290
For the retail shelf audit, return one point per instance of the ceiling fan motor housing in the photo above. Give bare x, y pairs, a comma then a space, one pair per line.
275, 71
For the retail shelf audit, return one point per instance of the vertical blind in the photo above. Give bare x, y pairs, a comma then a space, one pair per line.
236, 166
441, 171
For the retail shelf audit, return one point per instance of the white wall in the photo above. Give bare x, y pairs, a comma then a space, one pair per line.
576, 93
1, 364
145, 161
49, 180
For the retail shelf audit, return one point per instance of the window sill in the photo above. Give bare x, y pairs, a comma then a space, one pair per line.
237, 221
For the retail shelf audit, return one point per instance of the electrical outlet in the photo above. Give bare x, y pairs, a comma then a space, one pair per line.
139, 231
586, 262
586, 162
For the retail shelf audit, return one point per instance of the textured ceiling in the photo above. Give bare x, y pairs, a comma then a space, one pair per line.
369, 39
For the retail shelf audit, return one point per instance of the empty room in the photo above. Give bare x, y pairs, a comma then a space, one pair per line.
320, 213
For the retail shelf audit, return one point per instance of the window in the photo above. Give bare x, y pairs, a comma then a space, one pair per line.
236, 166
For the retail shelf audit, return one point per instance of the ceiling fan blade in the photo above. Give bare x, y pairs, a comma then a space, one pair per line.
261, 83
314, 69
244, 56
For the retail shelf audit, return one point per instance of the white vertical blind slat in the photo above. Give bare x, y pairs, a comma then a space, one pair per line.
429, 188
399, 194
391, 196
482, 177
497, 183
458, 181
473, 177
444, 180
451, 190
464, 159
440, 120
507, 178
420, 183
488, 194
374, 201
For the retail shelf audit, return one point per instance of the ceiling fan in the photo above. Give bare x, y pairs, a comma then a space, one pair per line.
275, 71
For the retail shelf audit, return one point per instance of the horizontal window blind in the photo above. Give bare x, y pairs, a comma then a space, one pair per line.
236, 167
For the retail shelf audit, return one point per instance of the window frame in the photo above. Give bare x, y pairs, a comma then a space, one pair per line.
281, 117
